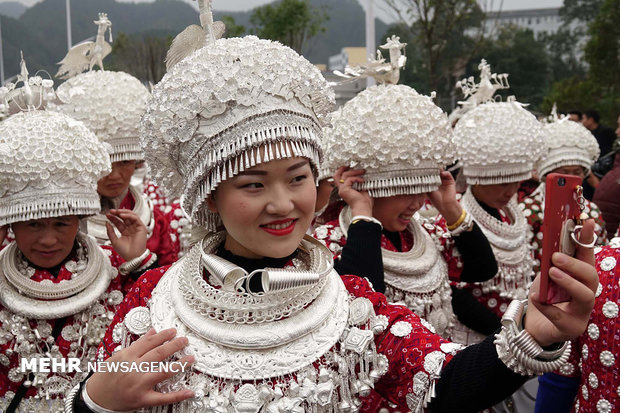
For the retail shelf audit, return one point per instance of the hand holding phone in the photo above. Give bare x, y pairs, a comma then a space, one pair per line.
562, 212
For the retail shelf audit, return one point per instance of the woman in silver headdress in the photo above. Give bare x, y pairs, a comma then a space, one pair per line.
386, 231
571, 150
58, 288
267, 322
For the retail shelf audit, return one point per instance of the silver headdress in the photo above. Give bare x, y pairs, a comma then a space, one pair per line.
27, 93
214, 109
109, 103
49, 167
382, 71
195, 37
496, 142
401, 138
569, 143
87, 54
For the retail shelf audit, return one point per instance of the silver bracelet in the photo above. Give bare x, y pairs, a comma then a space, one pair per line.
70, 398
133, 264
518, 350
367, 219
466, 225
147, 264
94, 406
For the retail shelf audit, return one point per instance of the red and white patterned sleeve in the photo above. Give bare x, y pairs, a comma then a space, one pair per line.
332, 236
416, 355
117, 337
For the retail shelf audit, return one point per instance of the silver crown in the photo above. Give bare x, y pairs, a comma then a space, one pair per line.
478, 93
382, 71
86, 55
497, 142
27, 93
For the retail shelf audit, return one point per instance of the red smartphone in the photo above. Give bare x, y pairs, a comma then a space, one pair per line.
561, 213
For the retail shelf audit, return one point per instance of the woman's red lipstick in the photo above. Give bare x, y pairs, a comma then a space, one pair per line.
280, 227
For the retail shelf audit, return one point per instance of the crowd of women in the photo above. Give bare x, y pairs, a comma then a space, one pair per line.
398, 288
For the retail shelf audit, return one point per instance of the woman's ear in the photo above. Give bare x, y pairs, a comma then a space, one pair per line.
211, 204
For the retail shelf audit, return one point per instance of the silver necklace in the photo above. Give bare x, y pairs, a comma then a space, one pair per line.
508, 241
98, 272
418, 277
322, 359
18, 272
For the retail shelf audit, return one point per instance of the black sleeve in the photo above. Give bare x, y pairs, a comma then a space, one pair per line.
361, 255
473, 380
473, 313
79, 406
479, 262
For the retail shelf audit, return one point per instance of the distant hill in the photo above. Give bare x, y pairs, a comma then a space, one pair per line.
12, 9
40, 31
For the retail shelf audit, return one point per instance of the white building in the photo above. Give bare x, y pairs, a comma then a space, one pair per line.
540, 21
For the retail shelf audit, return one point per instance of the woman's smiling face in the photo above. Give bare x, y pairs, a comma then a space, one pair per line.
267, 209
395, 212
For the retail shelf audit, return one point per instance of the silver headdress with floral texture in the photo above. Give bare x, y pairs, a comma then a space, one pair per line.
401, 138
569, 143
109, 103
27, 93
49, 167
215, 109
496, 142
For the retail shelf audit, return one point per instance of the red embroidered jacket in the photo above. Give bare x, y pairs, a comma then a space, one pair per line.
414, 359
70, 342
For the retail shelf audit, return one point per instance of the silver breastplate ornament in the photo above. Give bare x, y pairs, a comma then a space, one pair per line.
302, 345
510, 246
418, 278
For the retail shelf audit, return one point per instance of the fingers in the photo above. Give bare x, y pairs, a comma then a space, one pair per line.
111, 234
116, 221
580, 271
339, 173
183, 364
580, 292
165, 350
153, 398
353, 172
446, 177
586, 235
151, 340
123, 218
349, 181
345, 172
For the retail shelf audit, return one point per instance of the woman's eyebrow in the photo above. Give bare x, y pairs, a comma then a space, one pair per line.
259, 172
252, 173
297, 165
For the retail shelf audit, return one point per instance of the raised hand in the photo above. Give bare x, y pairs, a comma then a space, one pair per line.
132, 242
553, 323
444, 199
128, 391
360, 201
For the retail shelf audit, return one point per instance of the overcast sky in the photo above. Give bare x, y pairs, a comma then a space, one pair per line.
238, 5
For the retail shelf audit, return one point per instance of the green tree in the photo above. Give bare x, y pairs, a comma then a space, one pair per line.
515, 51
600, 87
580, 10
142, 56
232, 28
445, 34
291, 22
